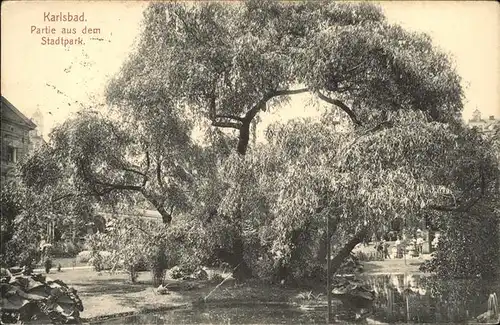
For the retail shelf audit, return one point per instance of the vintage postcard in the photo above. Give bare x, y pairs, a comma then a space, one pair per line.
250, 162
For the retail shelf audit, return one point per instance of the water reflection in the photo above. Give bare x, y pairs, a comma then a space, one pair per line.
425, 299
400, 298
227, 314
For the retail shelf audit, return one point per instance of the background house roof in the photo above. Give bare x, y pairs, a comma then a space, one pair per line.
29, 123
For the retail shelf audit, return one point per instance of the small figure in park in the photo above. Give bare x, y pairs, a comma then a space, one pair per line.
435, 241
380, 249
386, 250
413, 251
45, 249
399, 250
420, 245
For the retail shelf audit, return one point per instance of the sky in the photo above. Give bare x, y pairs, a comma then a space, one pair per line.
54, 79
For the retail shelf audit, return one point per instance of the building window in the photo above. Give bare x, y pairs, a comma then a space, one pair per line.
11, 154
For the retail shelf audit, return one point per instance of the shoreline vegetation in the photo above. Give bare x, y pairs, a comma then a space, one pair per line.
108, 295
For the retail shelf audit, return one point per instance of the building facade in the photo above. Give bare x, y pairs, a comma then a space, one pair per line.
485, 126
16, 142
36, 136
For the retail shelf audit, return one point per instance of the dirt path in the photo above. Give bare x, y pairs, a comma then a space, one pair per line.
392, 266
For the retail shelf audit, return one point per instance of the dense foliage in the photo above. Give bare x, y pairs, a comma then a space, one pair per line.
23, 225
228, 63
132, 245
470, 244
28, 296
391, 145
30, 202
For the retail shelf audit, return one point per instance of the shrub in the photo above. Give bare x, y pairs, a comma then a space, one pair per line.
136, 245
365, 257
65, 250
178, 273
27, 296
159, 264
468, 247
20, 252
84, 256
351, 264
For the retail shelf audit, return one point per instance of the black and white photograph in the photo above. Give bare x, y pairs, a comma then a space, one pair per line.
250, 162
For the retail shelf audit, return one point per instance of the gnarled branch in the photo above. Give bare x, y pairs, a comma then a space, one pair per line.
221, 124
260, 104
342, 106
231, 117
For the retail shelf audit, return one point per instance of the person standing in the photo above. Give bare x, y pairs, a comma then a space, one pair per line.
399, 253
435, 241
420, 245
379, 247
386, 250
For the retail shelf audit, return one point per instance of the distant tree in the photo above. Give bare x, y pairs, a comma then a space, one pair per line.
123, 159
24, 223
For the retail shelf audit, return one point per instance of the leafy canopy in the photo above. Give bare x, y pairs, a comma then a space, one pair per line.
227, 63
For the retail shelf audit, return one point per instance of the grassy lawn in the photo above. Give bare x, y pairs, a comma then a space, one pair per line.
393, 266
105, 294
65, 262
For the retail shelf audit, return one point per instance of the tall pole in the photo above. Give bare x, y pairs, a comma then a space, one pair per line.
328, 253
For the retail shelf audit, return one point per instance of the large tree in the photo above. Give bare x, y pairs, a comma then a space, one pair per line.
229, 62
224, 64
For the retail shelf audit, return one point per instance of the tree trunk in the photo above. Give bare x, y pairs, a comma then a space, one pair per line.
344, 252
234, 258
165, 215
244, 137
242, 270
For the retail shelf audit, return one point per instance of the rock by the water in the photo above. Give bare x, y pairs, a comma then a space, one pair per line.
162, 290
487, 317
353, 294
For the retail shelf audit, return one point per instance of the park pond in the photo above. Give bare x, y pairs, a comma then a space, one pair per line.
400, 298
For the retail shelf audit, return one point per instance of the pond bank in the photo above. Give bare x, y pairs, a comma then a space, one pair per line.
107, 294
104, 294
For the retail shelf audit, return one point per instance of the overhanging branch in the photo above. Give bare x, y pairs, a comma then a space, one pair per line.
118, 186
260, 104
108, 187
221, 124
342, 106
455, 208
231, 117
